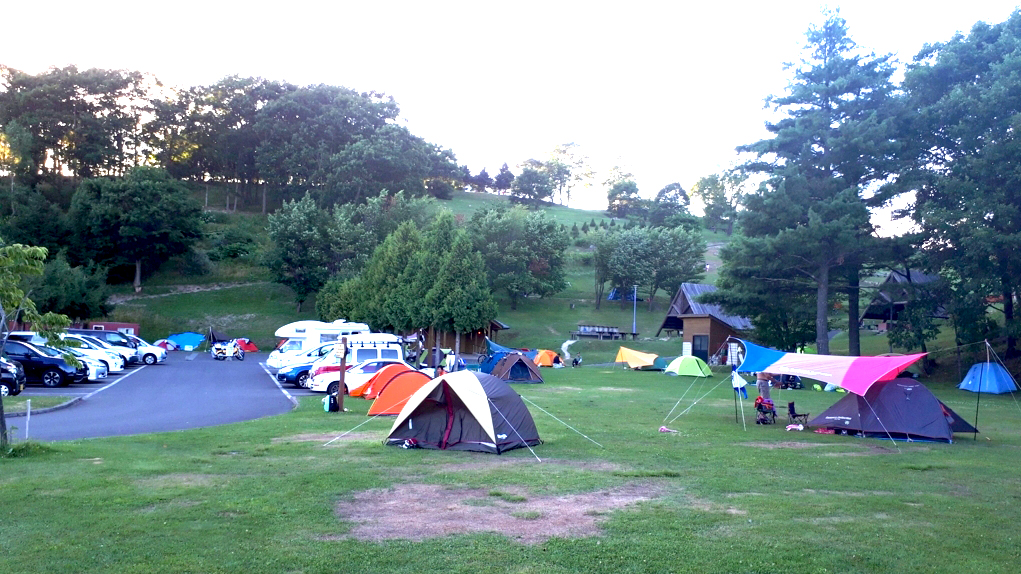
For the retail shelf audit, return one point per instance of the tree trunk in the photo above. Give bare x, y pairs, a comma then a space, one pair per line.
264, 199
430, 344
652, 295
853, 334
512, 294
822, 331
1008, 318
299, 305
599, 293
457, 344
207, 194
138, 275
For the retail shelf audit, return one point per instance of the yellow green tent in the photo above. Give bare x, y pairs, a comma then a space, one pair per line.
635, 359
689, 366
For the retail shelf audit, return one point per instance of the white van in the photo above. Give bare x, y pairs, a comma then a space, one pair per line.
307, 335
367, 347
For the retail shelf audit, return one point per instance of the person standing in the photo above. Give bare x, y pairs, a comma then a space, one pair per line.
762, 383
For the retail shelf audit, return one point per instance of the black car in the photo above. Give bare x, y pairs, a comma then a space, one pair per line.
44, 365
12, 378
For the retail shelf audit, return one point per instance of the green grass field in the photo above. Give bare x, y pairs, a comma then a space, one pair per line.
267, 496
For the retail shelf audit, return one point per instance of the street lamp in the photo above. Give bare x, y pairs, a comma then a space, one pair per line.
634, 312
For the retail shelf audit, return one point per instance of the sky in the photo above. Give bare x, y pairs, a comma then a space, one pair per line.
665, 90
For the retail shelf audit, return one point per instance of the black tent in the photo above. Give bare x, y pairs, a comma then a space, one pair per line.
901, 408
465, 410
517, 368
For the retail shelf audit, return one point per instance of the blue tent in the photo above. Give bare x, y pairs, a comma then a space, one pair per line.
495, 352
988, 378
187, 341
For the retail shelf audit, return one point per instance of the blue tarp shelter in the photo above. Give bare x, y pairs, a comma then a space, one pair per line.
988, 378
187, 341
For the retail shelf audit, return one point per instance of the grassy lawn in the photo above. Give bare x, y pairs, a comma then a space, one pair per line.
267, 496
17, 404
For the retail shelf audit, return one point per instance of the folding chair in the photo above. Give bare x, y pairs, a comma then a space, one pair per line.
794, 416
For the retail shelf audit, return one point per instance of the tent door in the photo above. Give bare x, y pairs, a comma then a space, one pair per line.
700, 346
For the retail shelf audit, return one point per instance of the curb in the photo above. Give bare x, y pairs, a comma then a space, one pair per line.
46, 410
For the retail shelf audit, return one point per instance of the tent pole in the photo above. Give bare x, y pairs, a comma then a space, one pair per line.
978, 395
735, 404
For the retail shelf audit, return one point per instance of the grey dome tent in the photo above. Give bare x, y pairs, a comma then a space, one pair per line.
465, 410
902, 408
517, 368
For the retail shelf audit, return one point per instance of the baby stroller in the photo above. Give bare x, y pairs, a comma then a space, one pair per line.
221, 347
765, 412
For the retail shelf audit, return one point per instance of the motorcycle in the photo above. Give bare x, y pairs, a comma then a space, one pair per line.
221, 350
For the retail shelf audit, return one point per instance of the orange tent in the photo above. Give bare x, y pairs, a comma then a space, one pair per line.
546, 358
371, 387
394, 393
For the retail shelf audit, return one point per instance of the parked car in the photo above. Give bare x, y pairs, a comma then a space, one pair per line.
44, 365
12, 378
114, 338
325, 374
124, 353
151, 354
285, 361
296, 375
113, 360
96, 369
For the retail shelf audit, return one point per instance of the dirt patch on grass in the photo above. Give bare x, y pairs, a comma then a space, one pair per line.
323, 438
488, 461
170, 505
420, 511
783, 444
615, 390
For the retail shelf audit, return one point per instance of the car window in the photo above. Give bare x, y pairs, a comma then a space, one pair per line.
389, 354
365, 355
49, 351
291, 345
16, 348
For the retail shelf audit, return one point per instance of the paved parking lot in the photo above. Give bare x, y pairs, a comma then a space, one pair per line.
190, 390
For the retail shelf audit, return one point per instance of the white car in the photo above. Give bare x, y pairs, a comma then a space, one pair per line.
97, 370
98, 350
324, 375
284, 361
151, 354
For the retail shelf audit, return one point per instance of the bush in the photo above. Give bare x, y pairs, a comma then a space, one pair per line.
231, 244
214, 217
193, 263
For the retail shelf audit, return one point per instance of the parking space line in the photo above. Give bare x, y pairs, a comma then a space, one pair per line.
293, 400
122, 377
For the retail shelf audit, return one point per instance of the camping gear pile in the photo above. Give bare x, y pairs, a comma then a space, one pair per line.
223, 347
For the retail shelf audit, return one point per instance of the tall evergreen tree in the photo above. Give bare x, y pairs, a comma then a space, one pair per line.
836, 138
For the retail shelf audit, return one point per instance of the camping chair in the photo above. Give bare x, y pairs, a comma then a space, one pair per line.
794, 416
766, 413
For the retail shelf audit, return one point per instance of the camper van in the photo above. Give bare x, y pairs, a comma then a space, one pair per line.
303, 336
373, 350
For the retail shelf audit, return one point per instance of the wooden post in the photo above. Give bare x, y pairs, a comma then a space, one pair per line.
343, 368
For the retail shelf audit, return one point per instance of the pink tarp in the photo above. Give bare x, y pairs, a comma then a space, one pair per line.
856, 374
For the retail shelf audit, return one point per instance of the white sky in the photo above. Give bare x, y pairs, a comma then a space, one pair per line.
665, 89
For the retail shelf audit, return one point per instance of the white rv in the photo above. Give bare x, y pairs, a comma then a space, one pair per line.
303, 336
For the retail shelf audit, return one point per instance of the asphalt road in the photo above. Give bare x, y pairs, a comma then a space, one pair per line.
190, 390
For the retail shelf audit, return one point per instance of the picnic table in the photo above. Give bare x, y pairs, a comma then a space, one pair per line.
602, 332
